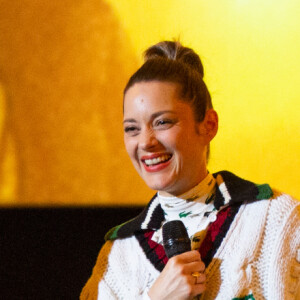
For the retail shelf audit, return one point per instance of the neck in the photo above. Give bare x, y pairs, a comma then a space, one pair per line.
189, 185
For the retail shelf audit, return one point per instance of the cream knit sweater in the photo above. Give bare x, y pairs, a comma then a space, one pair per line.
259, 256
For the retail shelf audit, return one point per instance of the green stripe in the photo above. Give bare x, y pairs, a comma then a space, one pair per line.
264, 191
112, 234
248, 297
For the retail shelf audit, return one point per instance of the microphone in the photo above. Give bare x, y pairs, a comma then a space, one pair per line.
175, 238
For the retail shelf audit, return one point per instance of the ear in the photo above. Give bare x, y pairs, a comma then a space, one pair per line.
208, 128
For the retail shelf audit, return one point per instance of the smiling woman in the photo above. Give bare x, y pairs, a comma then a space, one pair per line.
244, 237
163, 138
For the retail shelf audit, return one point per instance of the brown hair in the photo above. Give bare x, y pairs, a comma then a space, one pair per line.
170, 61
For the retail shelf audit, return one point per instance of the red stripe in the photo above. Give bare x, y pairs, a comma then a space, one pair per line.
159, 249
213, 231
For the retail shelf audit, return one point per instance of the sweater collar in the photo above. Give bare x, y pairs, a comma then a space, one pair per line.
231, 190
201, 193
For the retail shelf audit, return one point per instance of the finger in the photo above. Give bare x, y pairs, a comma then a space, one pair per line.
195, 266
199, 289
188, 257
200, 278
199, 285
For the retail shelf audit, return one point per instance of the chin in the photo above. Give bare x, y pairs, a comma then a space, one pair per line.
160, 185
157, 185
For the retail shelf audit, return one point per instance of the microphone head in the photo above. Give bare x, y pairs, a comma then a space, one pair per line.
175, 238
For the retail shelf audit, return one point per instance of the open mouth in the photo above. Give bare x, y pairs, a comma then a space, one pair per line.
157, 160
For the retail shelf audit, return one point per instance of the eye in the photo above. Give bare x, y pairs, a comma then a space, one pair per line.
163, 123
131, 130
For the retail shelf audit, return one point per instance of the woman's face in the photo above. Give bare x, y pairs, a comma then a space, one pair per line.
165, 143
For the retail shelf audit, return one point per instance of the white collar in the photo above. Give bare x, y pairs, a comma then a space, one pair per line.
200, 194
194, 208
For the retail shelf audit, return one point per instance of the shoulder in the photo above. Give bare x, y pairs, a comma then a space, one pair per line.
119, 248
282, 229
284, 208
125, 252
280, 212
273, 221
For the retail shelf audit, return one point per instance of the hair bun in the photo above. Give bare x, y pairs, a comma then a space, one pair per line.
175, 51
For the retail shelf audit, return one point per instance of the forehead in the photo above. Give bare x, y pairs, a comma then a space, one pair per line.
153, 95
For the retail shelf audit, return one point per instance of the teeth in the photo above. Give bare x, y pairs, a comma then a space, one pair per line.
157, 160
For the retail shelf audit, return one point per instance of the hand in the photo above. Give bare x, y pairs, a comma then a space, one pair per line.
176, 280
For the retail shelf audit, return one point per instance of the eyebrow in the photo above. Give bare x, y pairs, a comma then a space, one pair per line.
129, 121
155, 115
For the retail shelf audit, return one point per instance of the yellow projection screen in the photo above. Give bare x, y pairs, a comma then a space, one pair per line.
63, 66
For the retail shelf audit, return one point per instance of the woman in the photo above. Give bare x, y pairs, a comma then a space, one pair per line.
244, 237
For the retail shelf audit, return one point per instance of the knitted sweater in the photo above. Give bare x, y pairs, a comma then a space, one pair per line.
251, 251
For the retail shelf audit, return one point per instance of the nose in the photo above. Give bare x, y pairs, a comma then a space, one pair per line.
147, 139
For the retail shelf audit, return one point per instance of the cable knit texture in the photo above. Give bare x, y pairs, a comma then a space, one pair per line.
257, 258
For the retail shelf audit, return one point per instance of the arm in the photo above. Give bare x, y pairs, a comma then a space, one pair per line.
285, 263
295, 272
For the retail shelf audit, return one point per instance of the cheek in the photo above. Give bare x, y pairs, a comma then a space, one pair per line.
127, 144
130, 147
176, 141
184, 145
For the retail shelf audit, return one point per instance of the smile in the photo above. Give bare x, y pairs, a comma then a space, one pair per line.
157, 160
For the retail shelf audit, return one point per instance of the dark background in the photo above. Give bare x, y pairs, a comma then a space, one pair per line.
49, 253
